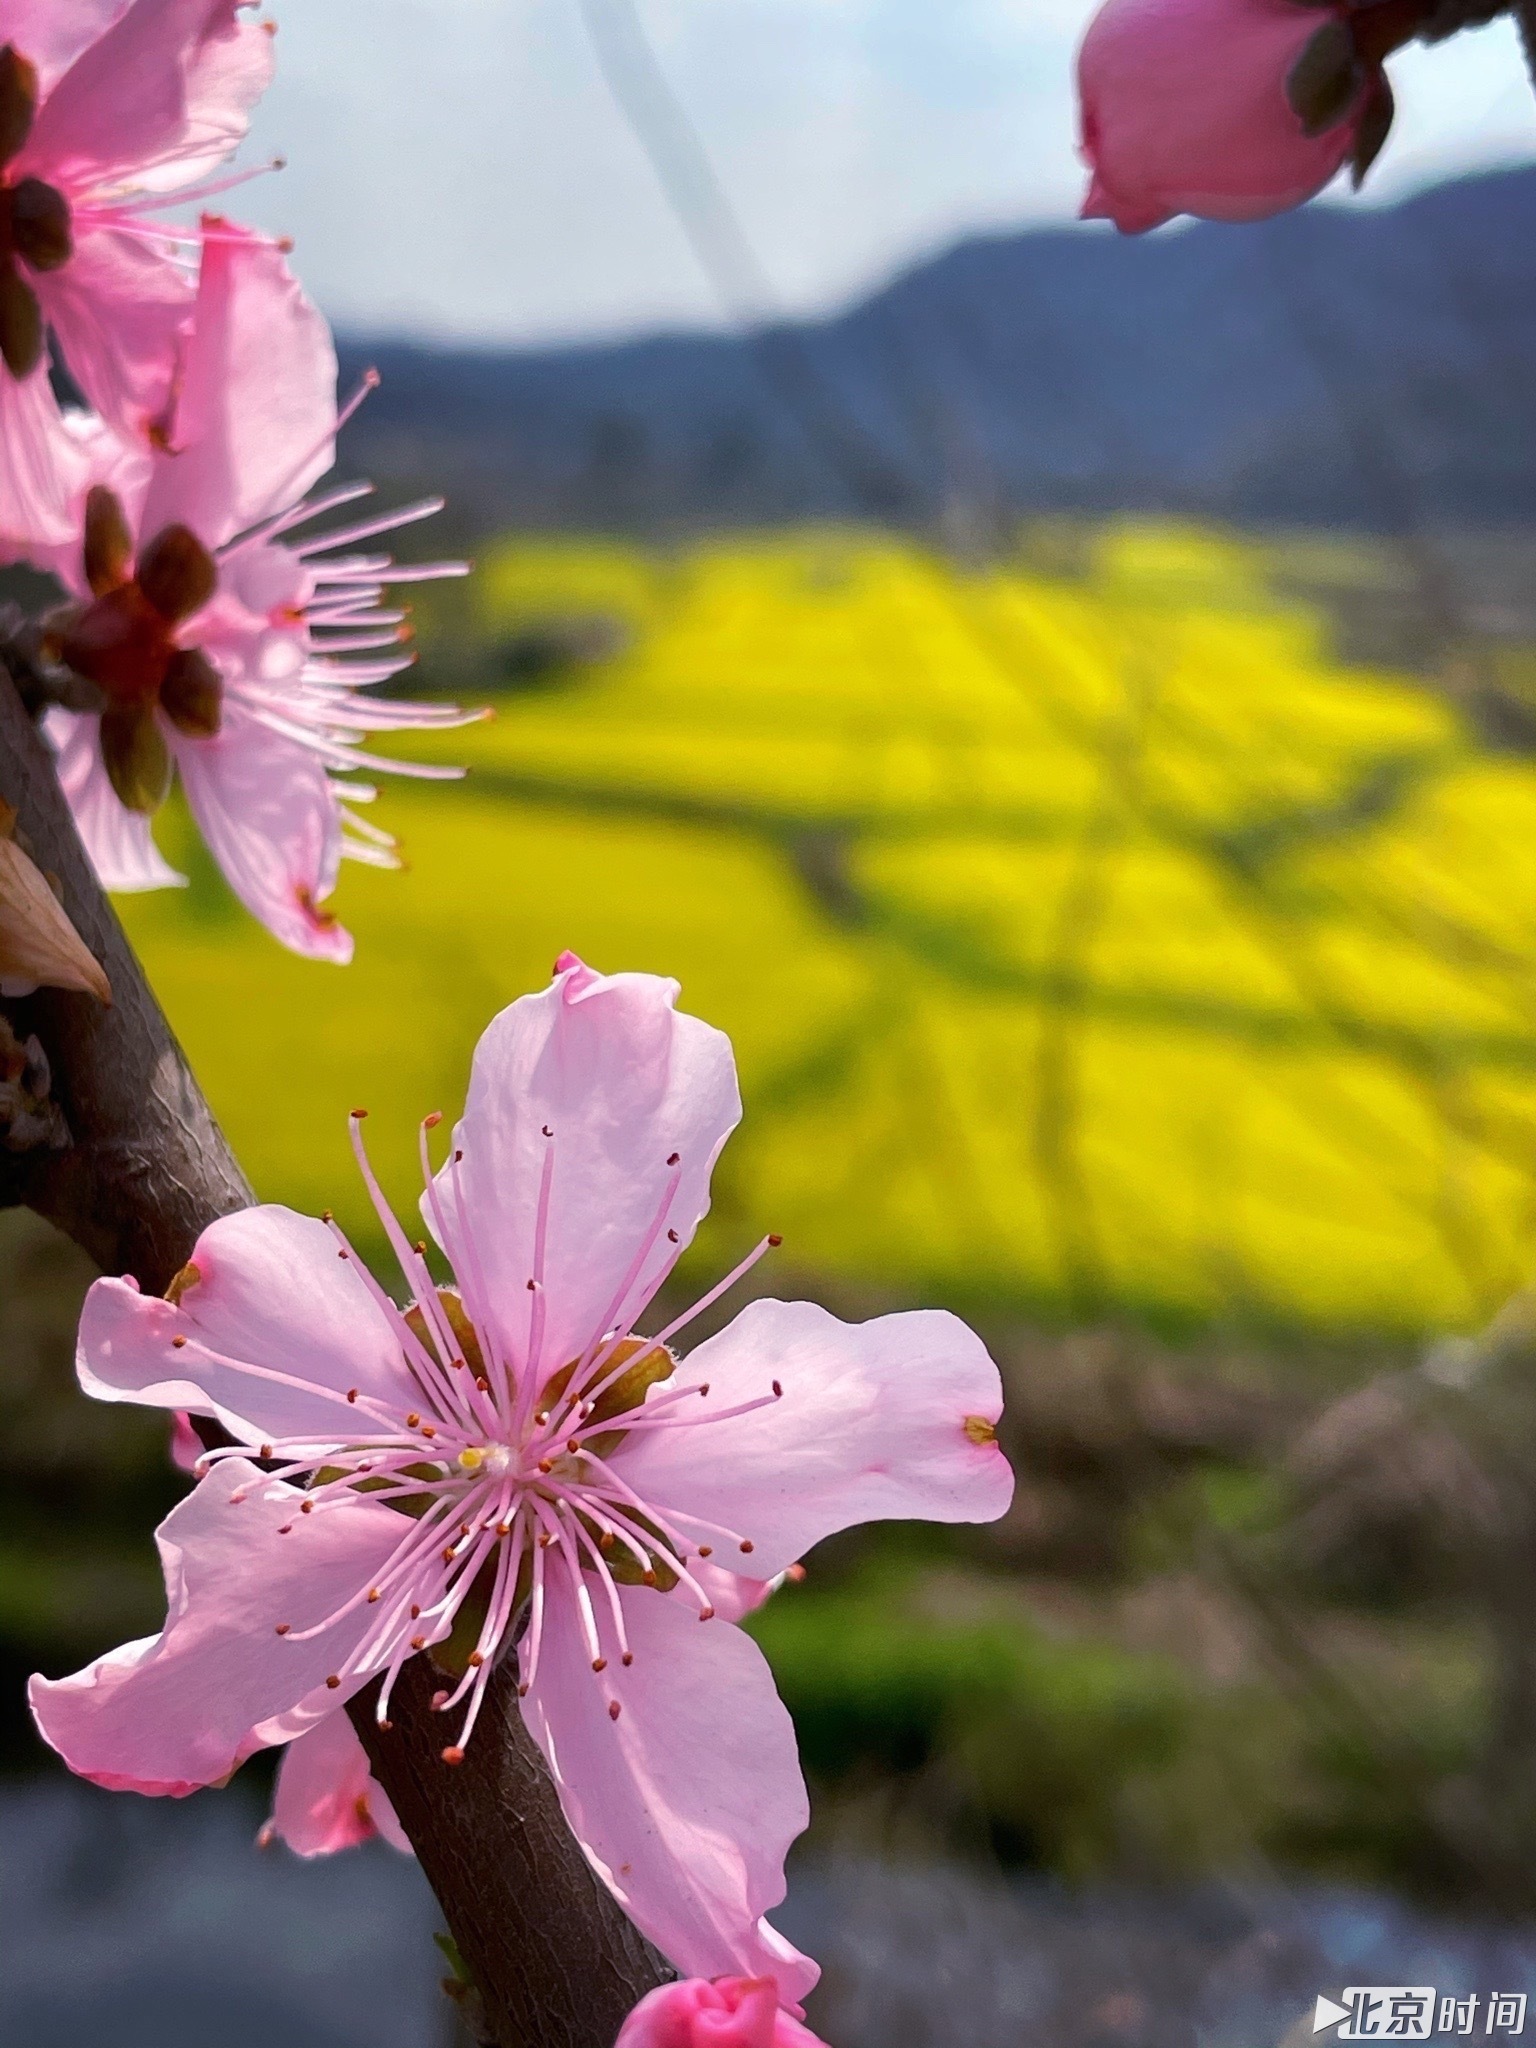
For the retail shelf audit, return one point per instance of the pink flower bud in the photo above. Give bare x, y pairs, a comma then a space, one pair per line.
1186, 109
730, 2012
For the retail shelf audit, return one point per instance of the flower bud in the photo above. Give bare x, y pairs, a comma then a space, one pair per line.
39, 947
1188, 106
728, 2012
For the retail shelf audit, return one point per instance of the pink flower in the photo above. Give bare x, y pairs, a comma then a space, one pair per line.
107, 108
562, 1476
217, 641
326, 1797
1230, 109
731, 2012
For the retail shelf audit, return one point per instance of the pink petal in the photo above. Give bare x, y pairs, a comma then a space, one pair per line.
153, 101
43, 473
119, 841
272, 1293
266, 807
118, 307
871, 1426
50, 34
686, 1804
186, 1446
732, 1596
326, 1798
624, 1081
255, 413
172, 1712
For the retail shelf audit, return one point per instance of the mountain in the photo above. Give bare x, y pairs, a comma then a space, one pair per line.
1356, 367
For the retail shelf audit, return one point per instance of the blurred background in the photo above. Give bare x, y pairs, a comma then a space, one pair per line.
1067, 708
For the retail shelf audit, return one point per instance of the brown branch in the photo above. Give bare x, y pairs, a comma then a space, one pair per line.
553, 1958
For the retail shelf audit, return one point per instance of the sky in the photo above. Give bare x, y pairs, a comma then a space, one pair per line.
457, 169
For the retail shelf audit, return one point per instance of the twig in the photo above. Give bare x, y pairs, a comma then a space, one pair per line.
556, 1963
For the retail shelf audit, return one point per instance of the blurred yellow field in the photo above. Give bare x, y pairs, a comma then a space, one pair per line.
1094, 945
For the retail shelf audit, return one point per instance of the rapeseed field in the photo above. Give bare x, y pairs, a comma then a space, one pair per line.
1092, 944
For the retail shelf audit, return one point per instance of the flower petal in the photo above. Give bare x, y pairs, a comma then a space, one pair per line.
43, 474
154, 102
272, 1292
686, 1804
119, 842
871, 1426
624, 1081
326, 1798
183, 1709
269, 813
255, 413
50, 34
118, 307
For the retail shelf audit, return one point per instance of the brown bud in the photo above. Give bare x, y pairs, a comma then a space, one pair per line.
1323, 82
138, 762
176, 573
18, 101
38, 944
40, 228
192, 694
21, 322
108, 543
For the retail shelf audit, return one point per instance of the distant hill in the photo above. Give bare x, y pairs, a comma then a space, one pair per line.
1368, 368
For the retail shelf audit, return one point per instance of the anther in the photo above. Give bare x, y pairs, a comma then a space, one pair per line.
415, 1614
333, 1681
706, 1550
413, 1420
648, 1578
778, 1391
476, 1659
547, 1131
748, 1546
673, 1238
327, 1215
420, 1247
352, 1393
373, 1596
342, 1253
706, 1614
481, 1381
541, 1419
544, 1539
286, 1529
418, 1642
306, 1507
448, 1553
614, 1710
428, 1431
532, 1286
503, 1528
599, 1663
545, 1465
431, 1121
774, 1241
386, 1727
628, 1658
673, 1157
458, 1156
359, 1114
265, 1451
606, 1540
178, 1343
453, 1754
282, 1628
522, 1690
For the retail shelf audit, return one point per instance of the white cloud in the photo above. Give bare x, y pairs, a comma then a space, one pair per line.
458, 168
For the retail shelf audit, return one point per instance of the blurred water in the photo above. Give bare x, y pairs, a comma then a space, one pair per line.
129, 1923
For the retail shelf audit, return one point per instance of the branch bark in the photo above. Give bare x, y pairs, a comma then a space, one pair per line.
553, 1958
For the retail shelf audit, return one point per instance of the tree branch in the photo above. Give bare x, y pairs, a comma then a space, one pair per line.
553, 1958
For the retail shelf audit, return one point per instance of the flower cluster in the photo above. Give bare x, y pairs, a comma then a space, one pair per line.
219, 645
508, 1468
